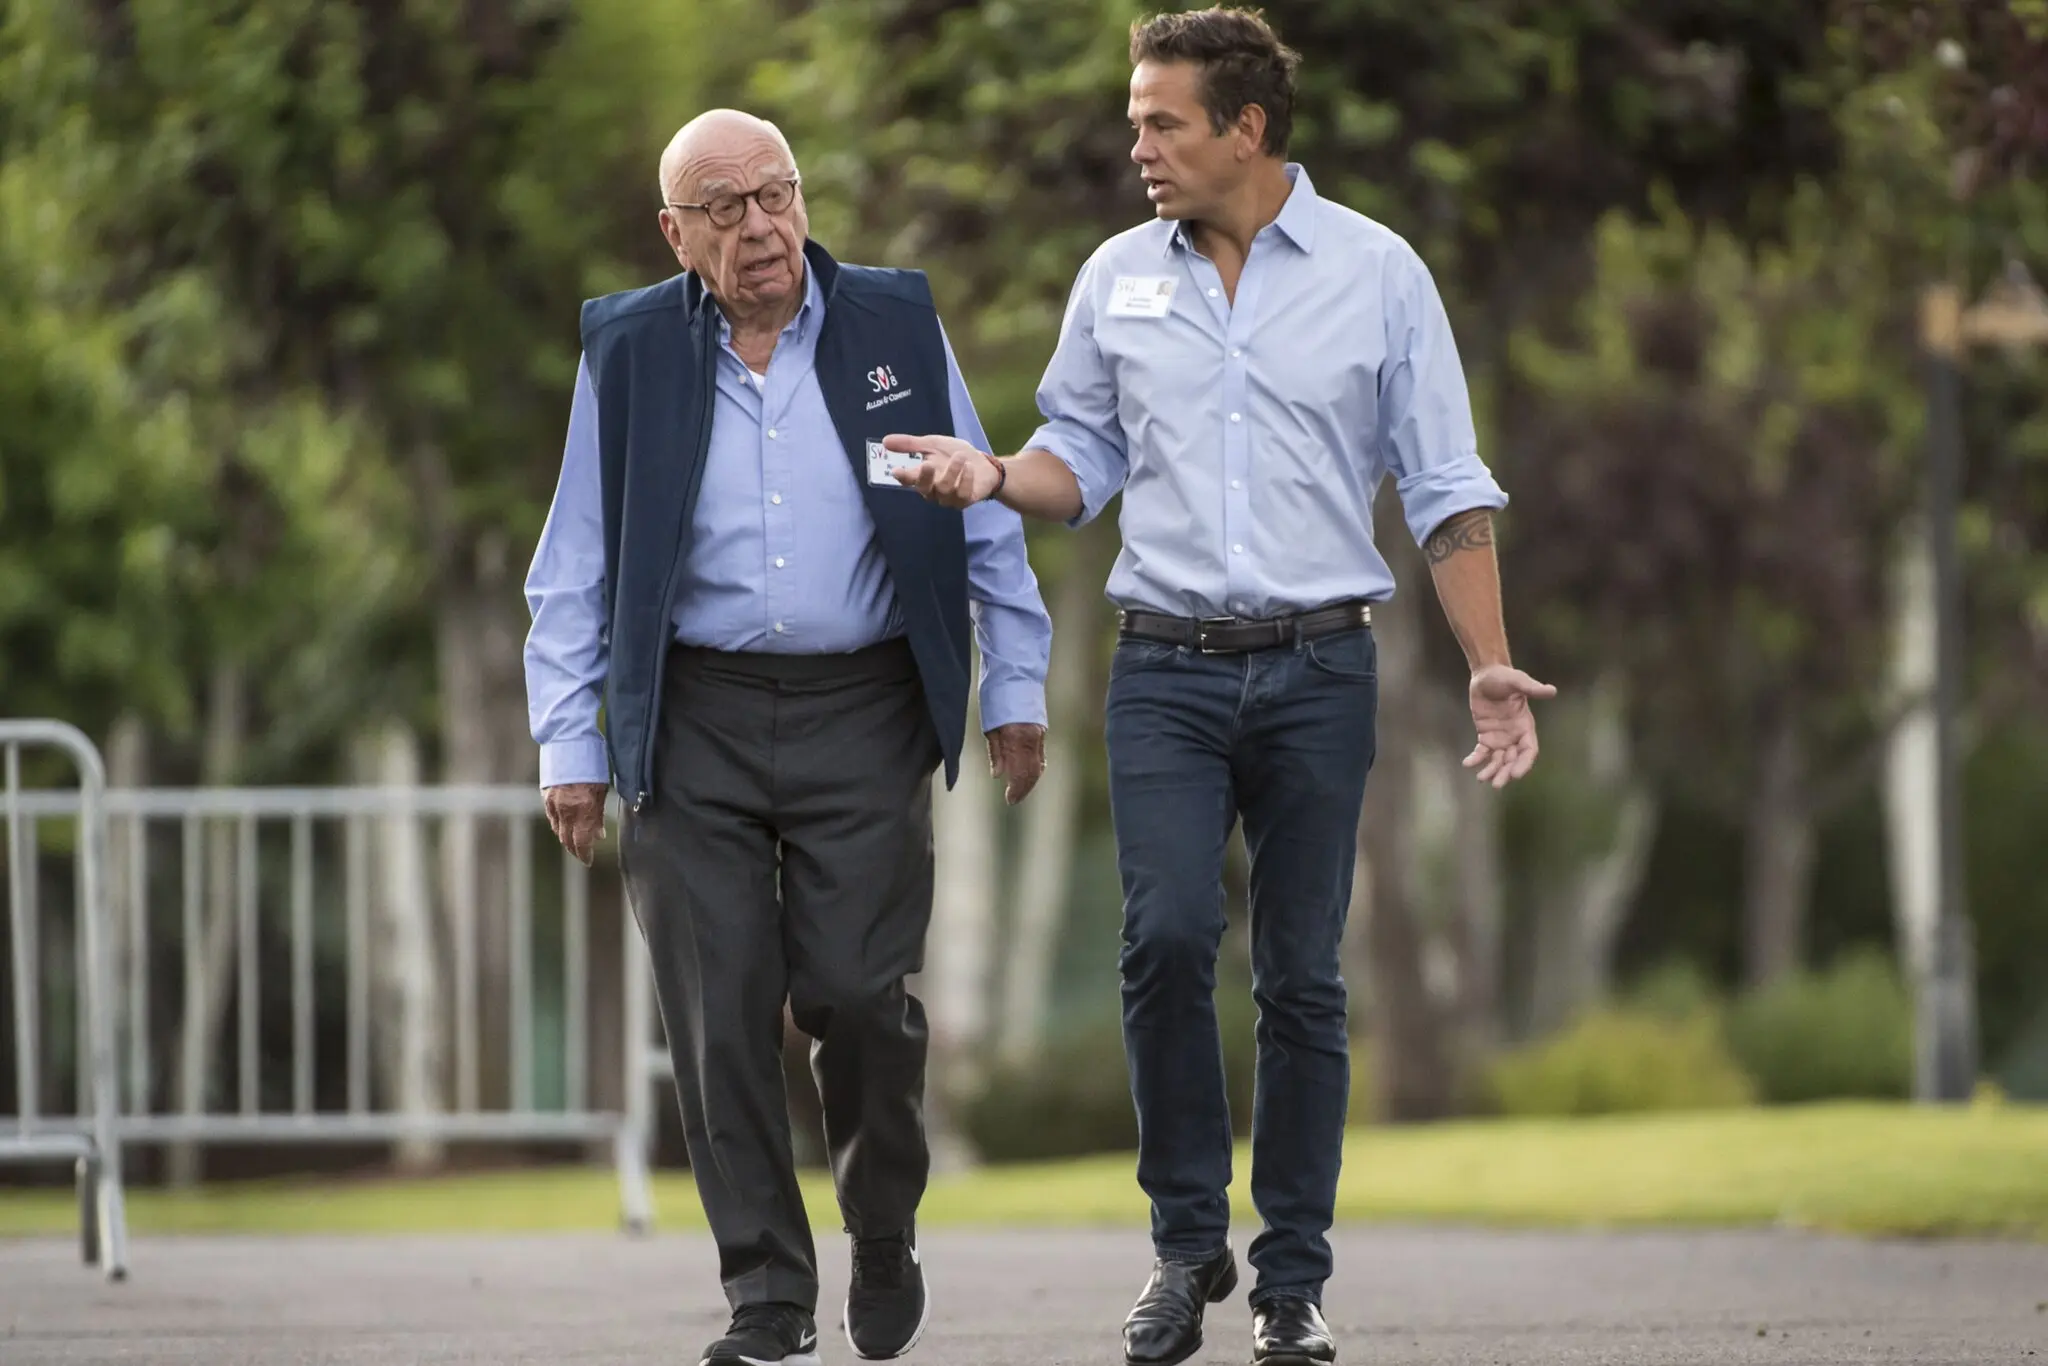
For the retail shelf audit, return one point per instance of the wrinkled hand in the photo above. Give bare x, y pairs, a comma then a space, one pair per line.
1506, 726
576, 814
1016, 754
952, 474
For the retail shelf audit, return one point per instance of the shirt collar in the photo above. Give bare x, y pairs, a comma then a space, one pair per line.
1296, 220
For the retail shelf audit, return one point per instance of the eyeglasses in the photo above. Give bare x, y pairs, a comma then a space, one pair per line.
727, 210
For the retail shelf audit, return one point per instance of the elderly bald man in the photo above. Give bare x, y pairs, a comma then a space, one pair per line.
778, 632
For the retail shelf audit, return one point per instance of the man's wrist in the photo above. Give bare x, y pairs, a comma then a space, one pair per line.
1002, 477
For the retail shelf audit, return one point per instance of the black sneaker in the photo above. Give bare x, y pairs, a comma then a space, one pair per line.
886, 1305
766, 1335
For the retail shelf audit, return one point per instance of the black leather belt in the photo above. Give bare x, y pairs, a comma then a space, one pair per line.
1239, 635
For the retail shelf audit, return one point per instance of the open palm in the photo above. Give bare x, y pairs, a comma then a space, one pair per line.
1505, 725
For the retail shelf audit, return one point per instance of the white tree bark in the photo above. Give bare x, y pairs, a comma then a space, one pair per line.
1050, 815
1912, 791
1778, 854
1580, 915
960, 948
206, 990
411, 1049
127, 909
1478, 891
484, 739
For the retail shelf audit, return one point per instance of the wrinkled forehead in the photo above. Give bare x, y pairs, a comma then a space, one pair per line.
736, 163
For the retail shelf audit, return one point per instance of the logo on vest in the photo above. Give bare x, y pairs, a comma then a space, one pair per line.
882, 379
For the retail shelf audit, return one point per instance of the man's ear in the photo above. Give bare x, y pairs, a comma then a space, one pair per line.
1251, 121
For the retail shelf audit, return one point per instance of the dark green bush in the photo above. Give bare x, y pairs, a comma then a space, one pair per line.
1618, 1060
1844, 1032
1075, 1098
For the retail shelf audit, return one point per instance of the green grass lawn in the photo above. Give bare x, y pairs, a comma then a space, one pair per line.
1878, 1169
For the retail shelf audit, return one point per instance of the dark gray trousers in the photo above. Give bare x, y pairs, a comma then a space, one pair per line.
812, 772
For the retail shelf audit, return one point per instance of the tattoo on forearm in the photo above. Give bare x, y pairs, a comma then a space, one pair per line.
1466, 531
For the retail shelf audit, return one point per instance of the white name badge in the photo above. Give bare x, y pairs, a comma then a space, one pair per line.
882, 462
1141, 296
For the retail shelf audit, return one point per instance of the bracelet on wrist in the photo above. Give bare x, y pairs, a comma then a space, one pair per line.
1002, 477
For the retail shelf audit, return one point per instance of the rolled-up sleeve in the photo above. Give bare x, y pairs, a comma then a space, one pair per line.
1077, 398
1011, 625
1425, 408
565, 646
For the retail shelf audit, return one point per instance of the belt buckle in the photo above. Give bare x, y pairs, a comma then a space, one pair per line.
1202, 625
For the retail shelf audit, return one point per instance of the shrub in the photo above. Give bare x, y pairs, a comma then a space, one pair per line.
1618, 1060
1845, 1032
1675, 990
1075, 1097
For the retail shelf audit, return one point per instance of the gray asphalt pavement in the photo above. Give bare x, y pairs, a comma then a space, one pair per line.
1012, 1298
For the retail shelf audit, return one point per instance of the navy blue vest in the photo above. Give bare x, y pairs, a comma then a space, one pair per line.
881, 365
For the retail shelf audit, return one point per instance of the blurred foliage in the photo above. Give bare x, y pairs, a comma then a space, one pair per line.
1616, 1061
288, 297
1845, 1032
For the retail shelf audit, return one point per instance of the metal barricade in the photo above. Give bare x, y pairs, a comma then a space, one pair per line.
303, 905
89, 1138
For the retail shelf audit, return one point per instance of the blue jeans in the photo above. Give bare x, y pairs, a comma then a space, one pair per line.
1283, 738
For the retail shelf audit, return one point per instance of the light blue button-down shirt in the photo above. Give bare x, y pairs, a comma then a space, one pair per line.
1249, 438
782, 556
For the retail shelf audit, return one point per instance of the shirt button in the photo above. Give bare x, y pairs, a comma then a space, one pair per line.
1237, 417
1212, 293
775, 498
778, 562
1237, 351
1237, 483
778, 628
1237, 550
771, 433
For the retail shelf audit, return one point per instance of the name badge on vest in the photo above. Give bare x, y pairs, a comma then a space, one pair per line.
882, 462
1141, 296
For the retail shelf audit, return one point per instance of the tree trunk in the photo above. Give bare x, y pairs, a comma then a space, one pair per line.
1912, 787
411, 1050
1052, 813
961, 945
1580, 913
1478, 892
1777, 854
484, 740
206, 990
127, 909
1412, 1075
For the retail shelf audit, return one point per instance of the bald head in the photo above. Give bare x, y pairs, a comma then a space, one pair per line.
718, 135
741, 225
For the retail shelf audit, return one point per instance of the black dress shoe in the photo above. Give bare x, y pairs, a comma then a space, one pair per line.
1165, 1325
1288, 1332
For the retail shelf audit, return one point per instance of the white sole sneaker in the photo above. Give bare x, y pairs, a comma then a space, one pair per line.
923, 1322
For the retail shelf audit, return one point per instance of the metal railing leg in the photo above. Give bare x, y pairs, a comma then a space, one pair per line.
636, 1130
108, 1203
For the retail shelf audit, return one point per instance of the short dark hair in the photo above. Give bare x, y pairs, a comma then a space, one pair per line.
1241, 59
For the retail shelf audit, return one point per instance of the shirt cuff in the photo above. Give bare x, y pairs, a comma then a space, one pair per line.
1430, 497
1012, 702
575, 761
1064, 441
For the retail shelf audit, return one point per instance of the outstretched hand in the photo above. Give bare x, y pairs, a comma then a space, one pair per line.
1505, 724
952, 473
